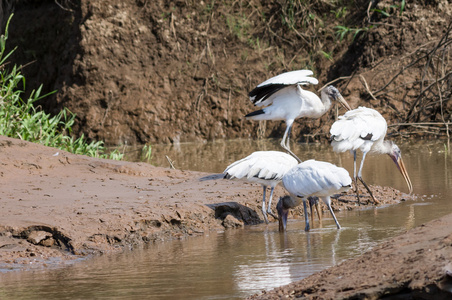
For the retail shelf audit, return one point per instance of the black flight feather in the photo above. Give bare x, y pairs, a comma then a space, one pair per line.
261, 93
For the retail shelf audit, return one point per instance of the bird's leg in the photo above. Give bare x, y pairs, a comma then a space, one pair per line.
327, 201
286, 144
319, 212
361, 179
314, 202
264, 213
269, 207
355, 179
370, 192
306, 219
311, 206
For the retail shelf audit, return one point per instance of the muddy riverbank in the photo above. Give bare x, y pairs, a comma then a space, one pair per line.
58, 207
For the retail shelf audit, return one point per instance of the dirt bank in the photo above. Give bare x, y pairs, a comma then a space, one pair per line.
139, 71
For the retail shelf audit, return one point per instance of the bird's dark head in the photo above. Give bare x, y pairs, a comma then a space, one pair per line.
396, 156
283, 212
333, 93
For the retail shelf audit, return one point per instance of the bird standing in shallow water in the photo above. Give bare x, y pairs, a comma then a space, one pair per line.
264, 167
311, 178
286, 100
365, 129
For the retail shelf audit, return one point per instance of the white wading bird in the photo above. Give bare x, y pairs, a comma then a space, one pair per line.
264, 167
365, 129
311, 178
286, 100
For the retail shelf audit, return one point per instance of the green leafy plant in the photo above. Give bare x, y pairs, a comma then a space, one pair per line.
328, 56
343, 31
385, 11
402, 7
340, 12
146, 152
238, 26
382, 12
288, 15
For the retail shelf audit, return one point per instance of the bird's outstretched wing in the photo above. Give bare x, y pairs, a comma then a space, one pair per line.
267, 88
356, 127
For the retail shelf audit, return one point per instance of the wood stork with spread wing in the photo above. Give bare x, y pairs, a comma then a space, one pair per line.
264, 167
286, 100
365, 129
311, 178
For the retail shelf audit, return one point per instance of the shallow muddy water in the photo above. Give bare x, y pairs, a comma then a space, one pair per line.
237, 263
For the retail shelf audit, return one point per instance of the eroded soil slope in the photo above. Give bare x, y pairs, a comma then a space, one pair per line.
168, 71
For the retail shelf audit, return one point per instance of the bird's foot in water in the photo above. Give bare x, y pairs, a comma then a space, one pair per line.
273, 215
376, 202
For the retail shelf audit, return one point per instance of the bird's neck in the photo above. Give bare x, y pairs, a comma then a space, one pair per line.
325, 100
382, 146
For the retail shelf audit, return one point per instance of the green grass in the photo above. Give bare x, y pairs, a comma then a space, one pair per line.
238, 26
343, 31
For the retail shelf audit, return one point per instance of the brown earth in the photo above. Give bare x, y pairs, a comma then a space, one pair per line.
166, 71
59, 205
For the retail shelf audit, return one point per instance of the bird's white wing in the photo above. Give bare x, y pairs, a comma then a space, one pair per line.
268, 165
316, 178
355, 127
293, 77
269, 87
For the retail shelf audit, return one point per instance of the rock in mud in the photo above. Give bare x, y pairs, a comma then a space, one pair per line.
36, 237
232, 222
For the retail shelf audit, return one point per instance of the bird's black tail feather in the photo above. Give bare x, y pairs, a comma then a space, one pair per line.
255, 113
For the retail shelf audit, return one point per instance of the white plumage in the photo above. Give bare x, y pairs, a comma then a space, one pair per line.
365, 129
359, 128
311, 178
264, 167
286, 100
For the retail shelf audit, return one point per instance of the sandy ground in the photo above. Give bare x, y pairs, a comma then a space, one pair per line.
58, 205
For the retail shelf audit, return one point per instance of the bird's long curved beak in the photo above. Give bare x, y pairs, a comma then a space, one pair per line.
401, 166
344, 103
282, 215
283, 221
